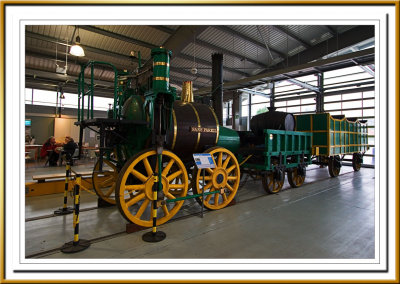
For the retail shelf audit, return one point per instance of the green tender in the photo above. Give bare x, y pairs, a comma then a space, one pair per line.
228, 139
287, 144
333, 136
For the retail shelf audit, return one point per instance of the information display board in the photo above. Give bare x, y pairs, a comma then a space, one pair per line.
204, 161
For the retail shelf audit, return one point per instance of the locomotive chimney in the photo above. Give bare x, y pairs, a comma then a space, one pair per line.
187, 92
217, 81
161, 59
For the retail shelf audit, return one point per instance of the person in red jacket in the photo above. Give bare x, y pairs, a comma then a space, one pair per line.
49, 149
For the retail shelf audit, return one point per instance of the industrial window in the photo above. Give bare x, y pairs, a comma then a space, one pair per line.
348, 91
49, 98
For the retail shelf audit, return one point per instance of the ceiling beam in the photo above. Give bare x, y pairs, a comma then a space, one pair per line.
207, 63
121, 37
331, 30
46, 54
162, 29
301, 70
248, 39
228, 52
86, 47
303, 85
346, 39
183, 36
292, 36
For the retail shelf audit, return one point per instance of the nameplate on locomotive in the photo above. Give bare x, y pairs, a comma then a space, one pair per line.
203, 129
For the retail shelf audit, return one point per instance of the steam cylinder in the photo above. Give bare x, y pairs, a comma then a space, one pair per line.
272, 120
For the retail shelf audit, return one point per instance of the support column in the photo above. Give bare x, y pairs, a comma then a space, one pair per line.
217, 81
236, 112
272, 98
320, 94
227, 112
249, 116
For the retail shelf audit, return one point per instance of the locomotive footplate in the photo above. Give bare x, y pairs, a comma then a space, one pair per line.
103, 124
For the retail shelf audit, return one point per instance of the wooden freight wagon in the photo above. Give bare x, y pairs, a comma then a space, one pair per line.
333, 138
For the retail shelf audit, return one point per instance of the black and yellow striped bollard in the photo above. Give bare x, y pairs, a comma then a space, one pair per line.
77, 244
155, 236
65, 210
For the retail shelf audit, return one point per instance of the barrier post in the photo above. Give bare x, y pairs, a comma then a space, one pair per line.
77, 244
155, 236
202, 198
65, 210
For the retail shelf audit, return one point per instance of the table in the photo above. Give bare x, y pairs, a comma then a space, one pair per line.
87, 149
33, 147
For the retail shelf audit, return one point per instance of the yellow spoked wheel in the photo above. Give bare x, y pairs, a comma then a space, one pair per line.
295, 177
272, 183
104, 181
134, 187
224, 178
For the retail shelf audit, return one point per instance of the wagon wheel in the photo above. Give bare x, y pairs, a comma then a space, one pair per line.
334, 166
357, 161
296, 176
225, 178
104, 181
134, 187
273, 182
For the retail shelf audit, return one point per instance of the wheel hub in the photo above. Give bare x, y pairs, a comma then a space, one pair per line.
150, 183
219, 178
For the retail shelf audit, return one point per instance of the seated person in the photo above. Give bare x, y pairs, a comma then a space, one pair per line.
69, 149
49, 149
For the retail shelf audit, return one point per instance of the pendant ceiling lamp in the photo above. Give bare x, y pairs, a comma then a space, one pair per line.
76, 49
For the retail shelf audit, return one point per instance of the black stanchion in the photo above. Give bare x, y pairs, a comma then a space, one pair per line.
77, 244
65, 210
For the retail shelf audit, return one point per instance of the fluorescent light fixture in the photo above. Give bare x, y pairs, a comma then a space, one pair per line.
76, 49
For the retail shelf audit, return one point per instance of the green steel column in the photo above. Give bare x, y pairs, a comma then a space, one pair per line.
79, 97
115, 94
91, 89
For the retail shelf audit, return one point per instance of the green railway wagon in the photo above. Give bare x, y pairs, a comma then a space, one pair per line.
333, 138
282, 152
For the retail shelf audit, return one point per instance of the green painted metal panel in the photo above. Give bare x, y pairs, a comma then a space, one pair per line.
228, 139
293, 144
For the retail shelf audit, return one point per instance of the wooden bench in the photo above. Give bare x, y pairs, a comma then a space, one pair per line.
43, 178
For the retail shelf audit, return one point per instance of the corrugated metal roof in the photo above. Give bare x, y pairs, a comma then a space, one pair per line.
231, 42
142, 33
243, 46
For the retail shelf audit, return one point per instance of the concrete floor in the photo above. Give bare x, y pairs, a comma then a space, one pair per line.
325, 218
